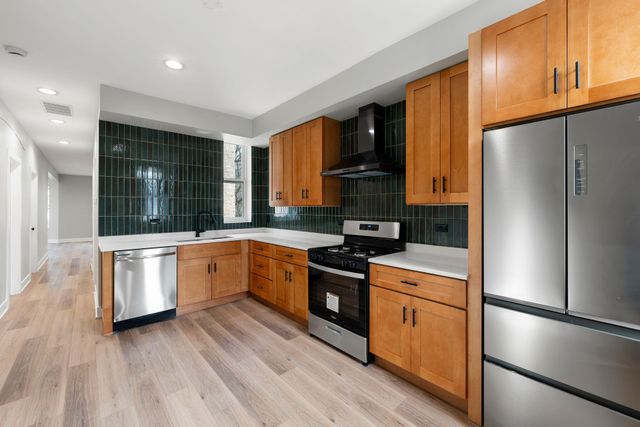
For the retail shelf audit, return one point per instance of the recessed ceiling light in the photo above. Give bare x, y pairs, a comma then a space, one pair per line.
63, 142
56, 121
47, 91
173, 64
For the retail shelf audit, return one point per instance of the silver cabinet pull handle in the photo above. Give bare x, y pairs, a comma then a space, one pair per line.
333, 330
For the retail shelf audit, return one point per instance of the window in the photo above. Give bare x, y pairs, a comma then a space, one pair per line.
237, 183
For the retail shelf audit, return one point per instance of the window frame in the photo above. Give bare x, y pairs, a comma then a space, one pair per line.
245, 180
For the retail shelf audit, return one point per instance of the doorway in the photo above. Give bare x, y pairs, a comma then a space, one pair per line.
15, 225
33, 229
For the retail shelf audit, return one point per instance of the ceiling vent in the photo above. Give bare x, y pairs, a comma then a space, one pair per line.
59, 109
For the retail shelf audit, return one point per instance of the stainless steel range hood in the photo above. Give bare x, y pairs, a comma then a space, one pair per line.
370, 159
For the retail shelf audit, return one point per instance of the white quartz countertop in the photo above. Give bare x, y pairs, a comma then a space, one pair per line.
438, 260
293, 239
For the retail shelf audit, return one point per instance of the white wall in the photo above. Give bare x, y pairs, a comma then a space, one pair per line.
53, 218
15, 142
75, 208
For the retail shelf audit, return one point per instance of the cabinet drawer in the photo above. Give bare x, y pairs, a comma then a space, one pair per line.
261, 266
262, 287
261, 248
208, 250
435, 288
293, 256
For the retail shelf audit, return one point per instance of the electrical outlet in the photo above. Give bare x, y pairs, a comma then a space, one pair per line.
441, 228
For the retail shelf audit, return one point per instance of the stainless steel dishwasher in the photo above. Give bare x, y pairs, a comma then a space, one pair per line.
144, 286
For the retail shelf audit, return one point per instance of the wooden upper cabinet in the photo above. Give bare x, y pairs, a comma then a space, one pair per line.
524, 63
604, 47
390, 331
437, 137
194, 281
280, 169
438, 345
454, 151
227, 276
423, 140
315, 146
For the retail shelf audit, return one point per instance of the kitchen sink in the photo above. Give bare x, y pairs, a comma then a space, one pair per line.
203, 239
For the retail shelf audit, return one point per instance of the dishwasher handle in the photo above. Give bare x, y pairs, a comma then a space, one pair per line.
127, 257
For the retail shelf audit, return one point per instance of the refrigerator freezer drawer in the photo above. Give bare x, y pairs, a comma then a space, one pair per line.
515, 400
596, 362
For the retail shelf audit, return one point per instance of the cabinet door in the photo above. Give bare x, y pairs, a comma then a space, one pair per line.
604, 47
275, 169
300, 280
390, 326
524, 63
454, 158
300, 165
423, 140
280, 152
194, 281
227, 275
315, 148
283, 285
438, 345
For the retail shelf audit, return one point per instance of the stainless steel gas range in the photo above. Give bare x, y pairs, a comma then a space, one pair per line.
339, 284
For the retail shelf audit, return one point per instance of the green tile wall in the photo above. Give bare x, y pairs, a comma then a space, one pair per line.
379, 198
153, 181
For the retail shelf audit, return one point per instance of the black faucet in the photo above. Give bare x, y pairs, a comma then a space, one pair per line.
200, 229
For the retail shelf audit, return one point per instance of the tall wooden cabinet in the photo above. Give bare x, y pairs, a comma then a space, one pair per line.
559, 54
437, 152
296, 159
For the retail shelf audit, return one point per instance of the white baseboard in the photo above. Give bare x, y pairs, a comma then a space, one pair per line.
74, 240
4, 307
25, 282
42, 261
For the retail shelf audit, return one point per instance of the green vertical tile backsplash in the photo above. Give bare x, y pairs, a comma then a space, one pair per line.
154, 181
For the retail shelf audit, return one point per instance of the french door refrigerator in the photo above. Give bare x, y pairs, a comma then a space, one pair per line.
562, 271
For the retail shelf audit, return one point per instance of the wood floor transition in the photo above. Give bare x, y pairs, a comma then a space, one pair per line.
240, 364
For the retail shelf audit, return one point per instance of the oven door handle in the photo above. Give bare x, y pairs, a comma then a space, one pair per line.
336, 271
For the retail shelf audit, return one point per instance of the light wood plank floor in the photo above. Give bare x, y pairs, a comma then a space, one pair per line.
240, 364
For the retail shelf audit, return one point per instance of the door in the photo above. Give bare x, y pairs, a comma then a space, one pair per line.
603, 50
454, 185
603, 158
300, 165
423, 140
14, 196
315, 152
524, 63
524, 214
340, 297
438, 345
280, 151
284, 287
299, 280
390, 328
33, 229
194, 281
227, 276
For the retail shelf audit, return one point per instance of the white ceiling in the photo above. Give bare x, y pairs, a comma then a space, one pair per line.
242, 57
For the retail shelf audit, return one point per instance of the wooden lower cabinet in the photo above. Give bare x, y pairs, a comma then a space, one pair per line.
284, 288
390, 327
300, 280
438, 345
194, 281
423, 337
290, 288
227, 276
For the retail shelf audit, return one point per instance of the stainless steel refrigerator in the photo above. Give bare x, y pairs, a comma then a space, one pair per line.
562, 271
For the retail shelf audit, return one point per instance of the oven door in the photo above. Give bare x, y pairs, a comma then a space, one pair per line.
339, 296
